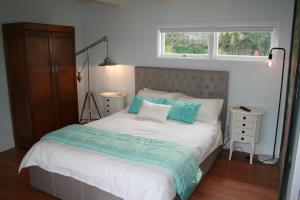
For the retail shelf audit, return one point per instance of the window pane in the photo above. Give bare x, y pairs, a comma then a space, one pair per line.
244, 43
186, 43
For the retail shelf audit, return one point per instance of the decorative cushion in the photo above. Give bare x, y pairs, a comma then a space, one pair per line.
154, 111
183, 111
138, 100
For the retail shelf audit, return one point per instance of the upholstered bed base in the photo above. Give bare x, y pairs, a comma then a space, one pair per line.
67, 188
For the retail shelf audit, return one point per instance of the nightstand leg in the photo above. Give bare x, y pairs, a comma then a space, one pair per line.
231, 149
252, 153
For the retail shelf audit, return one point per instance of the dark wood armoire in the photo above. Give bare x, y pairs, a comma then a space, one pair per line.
41, 74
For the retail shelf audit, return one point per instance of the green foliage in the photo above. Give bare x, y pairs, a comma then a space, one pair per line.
186, 43
244, 43
230, 43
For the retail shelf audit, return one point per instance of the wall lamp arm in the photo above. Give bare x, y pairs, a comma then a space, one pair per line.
103, 39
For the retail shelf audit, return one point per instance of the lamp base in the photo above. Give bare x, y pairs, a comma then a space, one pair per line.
267, 159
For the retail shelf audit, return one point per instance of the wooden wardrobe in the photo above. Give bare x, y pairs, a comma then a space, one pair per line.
41, 74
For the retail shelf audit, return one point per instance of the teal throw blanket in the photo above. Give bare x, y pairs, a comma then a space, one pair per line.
178, 160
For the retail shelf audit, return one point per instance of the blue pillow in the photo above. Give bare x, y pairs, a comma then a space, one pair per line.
183, 111
138, 100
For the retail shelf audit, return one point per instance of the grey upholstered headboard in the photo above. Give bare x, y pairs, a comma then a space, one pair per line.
196, 83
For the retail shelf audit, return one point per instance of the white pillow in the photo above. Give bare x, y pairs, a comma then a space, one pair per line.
156, 91
153, 111
157, 94
210, 109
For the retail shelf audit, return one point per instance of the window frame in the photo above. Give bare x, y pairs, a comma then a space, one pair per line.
180, 55
213, 41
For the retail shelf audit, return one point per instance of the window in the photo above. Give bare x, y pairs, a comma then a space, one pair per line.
234, 42
185, 43
244, 43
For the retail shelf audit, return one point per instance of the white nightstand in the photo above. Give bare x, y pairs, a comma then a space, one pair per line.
112, 102
245, 127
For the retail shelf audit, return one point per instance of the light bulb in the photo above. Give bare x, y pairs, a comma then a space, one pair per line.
270, 63
270, 60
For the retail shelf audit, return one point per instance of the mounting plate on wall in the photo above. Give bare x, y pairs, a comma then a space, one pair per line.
110, 2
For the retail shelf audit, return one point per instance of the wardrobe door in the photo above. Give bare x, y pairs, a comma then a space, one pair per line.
40, 78
15, 58
63, 55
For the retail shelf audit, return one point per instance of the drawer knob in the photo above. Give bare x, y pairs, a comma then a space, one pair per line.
107, 110
244, 124
243, 131
244, 117
107, 105
107, 100
242, 138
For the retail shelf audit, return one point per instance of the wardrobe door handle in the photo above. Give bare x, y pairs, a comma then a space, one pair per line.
53, 69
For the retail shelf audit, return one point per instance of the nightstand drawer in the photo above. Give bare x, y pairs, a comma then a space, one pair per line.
109, 111
242, 124
244, 131
246, 118
108, 101
242, 138
107, 105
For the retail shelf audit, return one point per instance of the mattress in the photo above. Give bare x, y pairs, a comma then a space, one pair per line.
201, 137
124, 178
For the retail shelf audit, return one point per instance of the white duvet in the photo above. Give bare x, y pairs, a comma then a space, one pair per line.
127, 179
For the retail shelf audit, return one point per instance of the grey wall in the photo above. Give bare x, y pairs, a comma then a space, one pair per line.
132, 30
66, 12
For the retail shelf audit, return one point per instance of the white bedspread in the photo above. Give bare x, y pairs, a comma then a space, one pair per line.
127, 179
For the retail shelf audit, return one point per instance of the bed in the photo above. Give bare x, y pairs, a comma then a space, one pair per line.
70, 184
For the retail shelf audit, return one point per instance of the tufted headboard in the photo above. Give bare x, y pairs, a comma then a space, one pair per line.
195, 83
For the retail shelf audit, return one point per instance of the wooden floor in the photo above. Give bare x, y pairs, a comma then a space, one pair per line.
227, 180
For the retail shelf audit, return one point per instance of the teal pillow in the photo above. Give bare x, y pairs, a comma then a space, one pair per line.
138, 100
183, 111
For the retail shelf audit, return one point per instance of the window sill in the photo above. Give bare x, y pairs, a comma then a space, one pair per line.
221, 58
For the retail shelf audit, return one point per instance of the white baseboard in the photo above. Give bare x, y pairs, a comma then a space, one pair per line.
6, 143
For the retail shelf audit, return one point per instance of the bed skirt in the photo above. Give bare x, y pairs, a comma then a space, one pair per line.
67, 188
